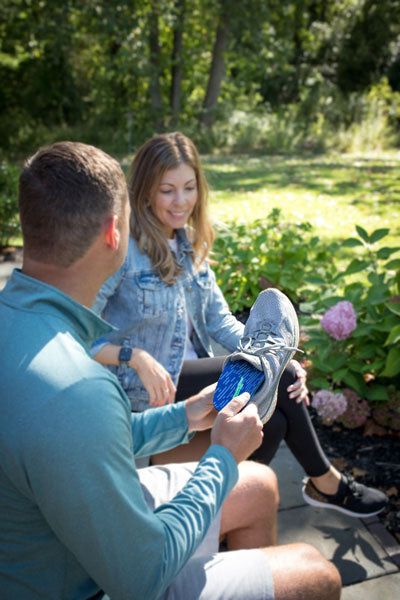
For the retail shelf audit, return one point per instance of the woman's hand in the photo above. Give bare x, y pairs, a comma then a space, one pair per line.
299, 390
155, 379
200, 411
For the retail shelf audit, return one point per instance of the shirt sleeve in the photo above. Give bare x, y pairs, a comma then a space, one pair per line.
221, 324
159, 429
84, 481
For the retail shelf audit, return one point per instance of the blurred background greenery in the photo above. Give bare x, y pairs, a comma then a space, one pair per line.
273, 76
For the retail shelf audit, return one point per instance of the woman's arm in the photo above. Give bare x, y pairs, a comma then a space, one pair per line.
221, 324
155, 379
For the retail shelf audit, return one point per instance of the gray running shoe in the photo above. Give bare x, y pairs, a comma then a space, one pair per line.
270, 339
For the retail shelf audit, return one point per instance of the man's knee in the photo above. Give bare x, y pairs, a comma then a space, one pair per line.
325, 577
301, 571
261, 482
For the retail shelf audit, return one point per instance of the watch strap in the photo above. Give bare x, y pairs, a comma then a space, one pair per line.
124, 356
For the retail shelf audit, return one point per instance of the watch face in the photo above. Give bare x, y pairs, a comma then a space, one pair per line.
125, 354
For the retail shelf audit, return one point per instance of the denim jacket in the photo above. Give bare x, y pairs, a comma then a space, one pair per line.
150, 314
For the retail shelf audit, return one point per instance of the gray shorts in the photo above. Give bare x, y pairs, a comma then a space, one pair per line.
209, 574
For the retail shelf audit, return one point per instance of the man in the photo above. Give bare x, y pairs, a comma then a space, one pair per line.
76, 517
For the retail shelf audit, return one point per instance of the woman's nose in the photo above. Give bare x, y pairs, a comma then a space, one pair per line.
179, 197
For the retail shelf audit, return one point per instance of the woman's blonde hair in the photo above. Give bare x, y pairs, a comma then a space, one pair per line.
158, 155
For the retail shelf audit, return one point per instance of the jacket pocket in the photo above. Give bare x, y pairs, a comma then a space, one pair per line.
154, 296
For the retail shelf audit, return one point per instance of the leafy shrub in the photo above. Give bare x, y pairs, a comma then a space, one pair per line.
367, 360
357, 411
374, 120
9, 222
265, 253
388, 413
365, 357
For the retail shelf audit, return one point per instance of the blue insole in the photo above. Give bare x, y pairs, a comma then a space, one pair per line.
237, 377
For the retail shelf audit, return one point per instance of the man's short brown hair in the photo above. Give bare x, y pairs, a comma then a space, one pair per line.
66, 192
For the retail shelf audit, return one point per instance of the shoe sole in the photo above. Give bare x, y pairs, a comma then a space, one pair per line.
237, 377
317, 504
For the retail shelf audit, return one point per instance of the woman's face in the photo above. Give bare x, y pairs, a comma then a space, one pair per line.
175, 198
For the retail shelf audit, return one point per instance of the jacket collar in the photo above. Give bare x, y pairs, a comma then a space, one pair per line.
183, 242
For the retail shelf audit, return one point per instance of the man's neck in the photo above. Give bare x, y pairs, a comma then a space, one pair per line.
76, 281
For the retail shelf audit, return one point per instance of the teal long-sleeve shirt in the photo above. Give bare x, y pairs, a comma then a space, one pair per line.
73, 519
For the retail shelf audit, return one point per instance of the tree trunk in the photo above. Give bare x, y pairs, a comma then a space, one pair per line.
154, 87
217, 70
177, 63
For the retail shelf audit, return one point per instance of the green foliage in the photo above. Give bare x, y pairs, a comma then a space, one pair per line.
297, 75
369, 359
268, 253
9, 222
374, 117
250, 257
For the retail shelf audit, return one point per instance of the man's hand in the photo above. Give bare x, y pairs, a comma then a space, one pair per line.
240, 431
200, 411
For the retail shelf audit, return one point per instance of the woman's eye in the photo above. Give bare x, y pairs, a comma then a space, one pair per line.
166, 191
190, 189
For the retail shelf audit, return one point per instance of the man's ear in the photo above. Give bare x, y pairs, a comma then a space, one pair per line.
112, 235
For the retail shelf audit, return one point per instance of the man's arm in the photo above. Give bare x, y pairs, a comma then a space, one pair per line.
159, 429
84, 481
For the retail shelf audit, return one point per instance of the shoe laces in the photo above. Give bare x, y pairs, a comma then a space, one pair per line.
260, 343
352, 485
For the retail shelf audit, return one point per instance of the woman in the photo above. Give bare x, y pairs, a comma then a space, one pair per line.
167, 308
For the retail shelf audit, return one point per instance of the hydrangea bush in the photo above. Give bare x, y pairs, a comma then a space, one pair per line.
340, 320
349, 310
357, 411
328, 405
351, 320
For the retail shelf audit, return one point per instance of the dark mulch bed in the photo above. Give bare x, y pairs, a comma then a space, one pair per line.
372, 459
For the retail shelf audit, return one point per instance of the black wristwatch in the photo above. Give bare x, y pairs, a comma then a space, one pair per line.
124, 356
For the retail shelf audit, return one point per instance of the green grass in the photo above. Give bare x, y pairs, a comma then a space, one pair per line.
332, 192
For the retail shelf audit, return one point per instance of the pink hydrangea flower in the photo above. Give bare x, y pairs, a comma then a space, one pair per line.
357, 411
340, 320
328, 405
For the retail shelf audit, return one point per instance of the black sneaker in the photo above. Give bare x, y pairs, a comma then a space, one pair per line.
352, 498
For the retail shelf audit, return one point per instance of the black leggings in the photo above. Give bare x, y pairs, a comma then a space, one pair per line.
290, 421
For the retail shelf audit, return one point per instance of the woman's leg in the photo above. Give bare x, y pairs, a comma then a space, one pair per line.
294, 426
197, 374
290, 421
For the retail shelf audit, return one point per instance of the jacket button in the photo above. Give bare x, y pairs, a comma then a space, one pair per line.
190, 288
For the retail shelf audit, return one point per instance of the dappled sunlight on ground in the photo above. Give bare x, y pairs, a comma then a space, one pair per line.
333, 193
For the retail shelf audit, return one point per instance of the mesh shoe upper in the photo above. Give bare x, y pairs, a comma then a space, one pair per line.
269, 341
